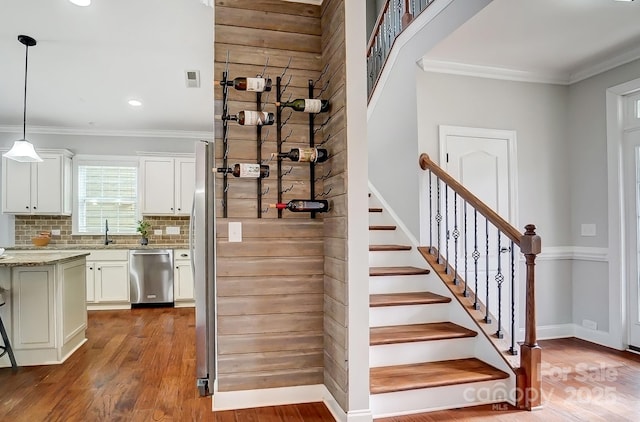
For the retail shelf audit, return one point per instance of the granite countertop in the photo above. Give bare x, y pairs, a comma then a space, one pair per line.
92, 247
14, 258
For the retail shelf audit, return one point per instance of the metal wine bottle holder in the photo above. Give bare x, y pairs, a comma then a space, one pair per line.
225, 141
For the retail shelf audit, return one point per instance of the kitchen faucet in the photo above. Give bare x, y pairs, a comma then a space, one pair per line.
106, 233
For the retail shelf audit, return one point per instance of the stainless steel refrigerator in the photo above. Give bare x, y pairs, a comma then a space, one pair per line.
202, 244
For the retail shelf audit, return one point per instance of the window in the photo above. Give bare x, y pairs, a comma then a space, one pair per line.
107, 190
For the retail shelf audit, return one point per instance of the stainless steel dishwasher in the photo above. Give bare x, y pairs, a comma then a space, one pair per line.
151, 277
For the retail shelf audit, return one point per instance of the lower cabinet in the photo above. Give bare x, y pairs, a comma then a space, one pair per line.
182, 278
108, 280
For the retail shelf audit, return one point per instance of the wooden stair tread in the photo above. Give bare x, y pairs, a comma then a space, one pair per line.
382, 227
384, 271
386, 248
388, 379
375, 209
397, 299
418, 332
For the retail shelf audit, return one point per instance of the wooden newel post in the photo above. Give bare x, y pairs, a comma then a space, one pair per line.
529, 394
407, 17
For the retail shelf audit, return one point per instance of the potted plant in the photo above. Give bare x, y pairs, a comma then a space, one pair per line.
144, 227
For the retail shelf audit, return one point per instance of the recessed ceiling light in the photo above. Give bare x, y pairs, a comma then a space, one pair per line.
135, 103
81, 2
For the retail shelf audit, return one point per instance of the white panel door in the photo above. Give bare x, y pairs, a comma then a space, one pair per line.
480, 159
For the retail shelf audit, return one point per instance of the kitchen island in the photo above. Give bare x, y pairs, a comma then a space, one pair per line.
45, 312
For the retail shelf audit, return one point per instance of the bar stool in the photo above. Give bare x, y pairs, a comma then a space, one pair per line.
7, 345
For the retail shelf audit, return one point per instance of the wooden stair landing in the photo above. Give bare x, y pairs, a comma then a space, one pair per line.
418, 332
384, 271
399, 299
388, 248
388, 379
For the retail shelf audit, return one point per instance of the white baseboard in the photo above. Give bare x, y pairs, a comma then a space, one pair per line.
229, 400
548, 332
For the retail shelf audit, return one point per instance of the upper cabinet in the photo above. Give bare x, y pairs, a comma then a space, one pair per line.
38, 188
167, 185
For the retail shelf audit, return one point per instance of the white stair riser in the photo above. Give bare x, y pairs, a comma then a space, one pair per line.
423, 351
396, 259
381, 316
387, 237
379, 219
398, 284
430, 399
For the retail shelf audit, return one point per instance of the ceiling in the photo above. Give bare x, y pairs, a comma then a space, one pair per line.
554, 41
89, 61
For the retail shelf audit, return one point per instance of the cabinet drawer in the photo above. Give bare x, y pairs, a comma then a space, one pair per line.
111, 255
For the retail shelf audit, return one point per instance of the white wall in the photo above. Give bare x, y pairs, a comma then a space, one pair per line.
590, 198
538, 113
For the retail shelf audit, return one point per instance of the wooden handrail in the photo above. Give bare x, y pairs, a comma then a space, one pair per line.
528, 375
376, 27
499, 222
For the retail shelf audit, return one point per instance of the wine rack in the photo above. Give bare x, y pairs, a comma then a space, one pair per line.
260, 139
225, 147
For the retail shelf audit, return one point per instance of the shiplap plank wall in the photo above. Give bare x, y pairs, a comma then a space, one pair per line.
335, 223
269, 286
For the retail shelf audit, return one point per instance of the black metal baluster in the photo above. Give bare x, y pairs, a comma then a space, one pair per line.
476, 256
487, 318
465, 293
446, 227
456, 235
499, 280
513, 349
438, 217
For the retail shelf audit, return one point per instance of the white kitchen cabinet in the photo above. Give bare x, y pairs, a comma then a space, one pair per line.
108, 280
38, 188
182, 279
167, 185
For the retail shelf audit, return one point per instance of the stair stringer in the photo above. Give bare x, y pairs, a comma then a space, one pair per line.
481, 347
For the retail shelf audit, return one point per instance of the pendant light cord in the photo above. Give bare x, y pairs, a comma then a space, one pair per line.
24, 113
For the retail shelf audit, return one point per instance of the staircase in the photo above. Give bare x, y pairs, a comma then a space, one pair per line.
426, 352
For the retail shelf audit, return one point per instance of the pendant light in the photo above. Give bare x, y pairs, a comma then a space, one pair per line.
23, 150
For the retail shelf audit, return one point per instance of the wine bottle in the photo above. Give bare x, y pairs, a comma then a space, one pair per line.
248, 84
303, 205
252, 118
248, 170
306, 155
306, 105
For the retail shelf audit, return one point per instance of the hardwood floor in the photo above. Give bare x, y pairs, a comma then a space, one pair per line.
139, 365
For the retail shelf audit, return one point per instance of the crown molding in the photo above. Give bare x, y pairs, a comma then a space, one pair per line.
618, 60
490, 72
52, 130
556, 78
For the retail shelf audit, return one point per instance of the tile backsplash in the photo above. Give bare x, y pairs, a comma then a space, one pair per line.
29, 226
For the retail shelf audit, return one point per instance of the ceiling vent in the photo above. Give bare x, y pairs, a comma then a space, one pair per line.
192, 78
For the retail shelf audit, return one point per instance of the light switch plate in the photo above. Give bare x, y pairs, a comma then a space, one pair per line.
157, 232
172, 230
235, 231
55, 232
588, 229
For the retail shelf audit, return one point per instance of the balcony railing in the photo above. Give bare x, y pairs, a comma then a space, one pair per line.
394, 17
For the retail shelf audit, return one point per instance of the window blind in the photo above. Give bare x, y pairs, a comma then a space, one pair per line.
107, 193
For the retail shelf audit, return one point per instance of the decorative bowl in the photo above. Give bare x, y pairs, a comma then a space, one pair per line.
40, 240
